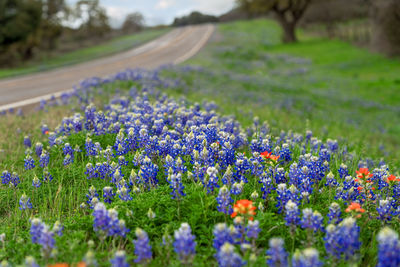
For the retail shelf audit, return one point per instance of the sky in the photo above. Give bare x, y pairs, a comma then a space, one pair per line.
160, 11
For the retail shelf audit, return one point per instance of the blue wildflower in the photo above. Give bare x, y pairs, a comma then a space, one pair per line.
312, 220
276, 254
29, 163
184, 244
119, 259
223, 233
142, 247
224, 201
309, 257
108, 194
27, 141
36, 182
25, 202
388, 248
292, 214
227, 257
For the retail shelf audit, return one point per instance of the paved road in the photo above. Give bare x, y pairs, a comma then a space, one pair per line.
173, 47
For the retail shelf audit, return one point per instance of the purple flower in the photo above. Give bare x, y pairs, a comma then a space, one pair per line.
309, 257
36, 182
334, 213
142, 247
119, 259
108, 194
27, 141
224, 201
175, 183
223, 233
29, 163
253, 229
184, 244
276, 254
5, 177
25, 202
44, 159
312, 220
292, 214
227, 257
385, 210
388, 248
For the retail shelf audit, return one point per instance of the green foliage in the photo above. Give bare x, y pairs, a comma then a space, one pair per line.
194, 18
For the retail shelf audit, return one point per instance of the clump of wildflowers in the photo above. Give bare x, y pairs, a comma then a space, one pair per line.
388, 248
25, 202
142, 247
119, 259
244, 208
227, 257
184, 244
276, 254
355, 209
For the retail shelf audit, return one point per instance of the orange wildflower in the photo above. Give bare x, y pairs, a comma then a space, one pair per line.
63, 264
392, 178
268, 155
46, 132
356, 207
244, 207
363, 173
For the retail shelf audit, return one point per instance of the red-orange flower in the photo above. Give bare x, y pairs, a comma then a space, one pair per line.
244, 207
356, 207
363, 173
392, 178
268, 155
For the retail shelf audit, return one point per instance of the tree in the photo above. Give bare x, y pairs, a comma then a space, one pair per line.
194, 18
386, 26
95, 19
134, 22
20, 21
51, 23
287, 12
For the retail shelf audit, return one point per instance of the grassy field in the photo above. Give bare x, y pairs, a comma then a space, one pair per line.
264, 93
330, 87
113, 46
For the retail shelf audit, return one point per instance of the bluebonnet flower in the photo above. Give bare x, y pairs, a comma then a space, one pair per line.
276, 253
123, 194
227, 257
29, 163
58, 228
36, 182
312, 220
5, 177
343, 171
40, 234
223, 233
44, 159
122, 161
27, 141
31, 262
212, 181
68, 159
343, 239
151, 214
280, 177
67, 150
92, 194
283, 197
334, 213
90, 171
292, 214
224, 201
309, 257
14, 179
330, 180
385, 210
266, 182
107, 223
237, 188
175, 183
90, 148
142, 247
38, 149
90, 259
253, 229
119, 259
388, 248
228, 176
285, 154
108, 194
25, 202
184, 244
47, 177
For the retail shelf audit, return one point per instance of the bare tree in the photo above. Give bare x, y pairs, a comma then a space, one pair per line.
287, 12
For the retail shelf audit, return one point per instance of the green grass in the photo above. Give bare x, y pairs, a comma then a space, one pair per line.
108, 48
330, 87
321, 85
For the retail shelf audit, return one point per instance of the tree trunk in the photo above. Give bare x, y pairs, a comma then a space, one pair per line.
289, 32
288, 27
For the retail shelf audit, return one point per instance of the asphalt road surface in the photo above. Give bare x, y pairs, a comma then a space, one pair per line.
171, 48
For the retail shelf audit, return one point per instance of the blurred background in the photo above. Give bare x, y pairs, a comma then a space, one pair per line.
35, 30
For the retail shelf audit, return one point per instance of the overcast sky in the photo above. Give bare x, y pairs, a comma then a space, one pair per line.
161, 11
